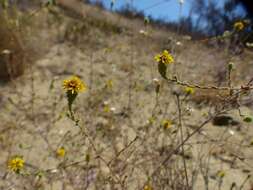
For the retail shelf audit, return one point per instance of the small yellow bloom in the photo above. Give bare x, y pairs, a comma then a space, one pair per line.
106, 108
221, 174
74, 85
16, 164
148, 187
166, 124
189, 90
239, 26
151, 120
165, 58
109, 84
61, 152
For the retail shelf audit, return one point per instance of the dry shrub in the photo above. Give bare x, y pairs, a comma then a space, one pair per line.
11, 51
212, 97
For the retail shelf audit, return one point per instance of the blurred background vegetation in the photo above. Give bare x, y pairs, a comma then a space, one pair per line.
203, 18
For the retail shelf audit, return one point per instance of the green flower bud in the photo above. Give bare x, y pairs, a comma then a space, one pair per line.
230, 66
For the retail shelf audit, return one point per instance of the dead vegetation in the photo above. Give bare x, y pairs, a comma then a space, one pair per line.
11, 50
131, 129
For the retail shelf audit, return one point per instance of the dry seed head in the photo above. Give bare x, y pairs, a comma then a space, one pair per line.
156, 80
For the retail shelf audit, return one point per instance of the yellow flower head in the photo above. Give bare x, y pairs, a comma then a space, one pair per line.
238, 26
109, 84
165, 58
74, 85
166, 124
61, 152
106, 108
147, 187
221, 174
189, 90
16, 164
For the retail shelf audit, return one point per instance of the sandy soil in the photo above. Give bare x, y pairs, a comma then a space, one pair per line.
128, 143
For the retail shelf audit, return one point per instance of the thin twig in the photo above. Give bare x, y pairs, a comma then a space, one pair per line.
163, 163
183, 83
182, 137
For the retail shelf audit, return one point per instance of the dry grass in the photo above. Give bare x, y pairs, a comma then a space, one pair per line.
115, 137
11, 50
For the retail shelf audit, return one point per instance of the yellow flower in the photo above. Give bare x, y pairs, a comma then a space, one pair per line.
61, 152
74, 85
165, 58
221, 174
151, 120
16, 164
189, 90
109, 84
239, 26
147, 187
166, 124
106, 108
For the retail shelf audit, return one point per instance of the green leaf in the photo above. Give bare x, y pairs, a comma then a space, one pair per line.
50, 3
248, 119
71, 98
51, 86
162, 68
